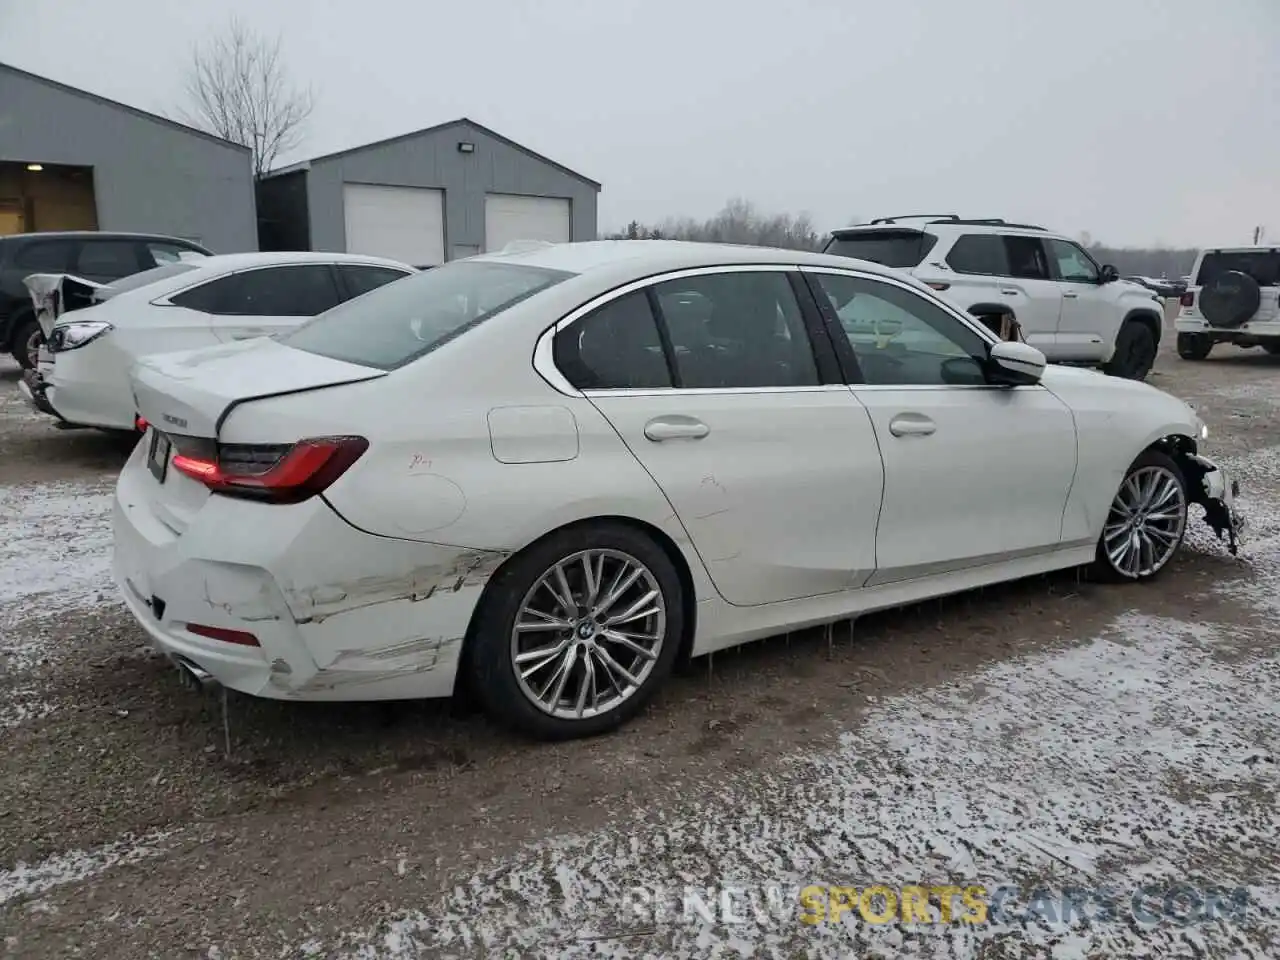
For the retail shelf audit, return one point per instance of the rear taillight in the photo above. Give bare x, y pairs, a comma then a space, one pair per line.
1188, 298
937, 285
140, 424
279, 473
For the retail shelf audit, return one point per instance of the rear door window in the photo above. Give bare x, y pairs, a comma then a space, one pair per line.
615, 347
979, 254
302, 290
107, 259
1027, 259
359, 278
892, 248
1262, 265
45, 256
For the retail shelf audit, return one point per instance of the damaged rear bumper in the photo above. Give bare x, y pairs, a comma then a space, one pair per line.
1209, 485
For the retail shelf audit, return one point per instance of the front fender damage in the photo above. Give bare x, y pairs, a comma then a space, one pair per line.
1209, 486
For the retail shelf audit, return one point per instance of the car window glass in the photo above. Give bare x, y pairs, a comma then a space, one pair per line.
361, 279
981, 254
399, 322
47, 255
294, 291
899, 338
892, 248
208, 297
738, 329
1262, 265
1073, 264
1026, 258
614, 347
163, 253
107, 258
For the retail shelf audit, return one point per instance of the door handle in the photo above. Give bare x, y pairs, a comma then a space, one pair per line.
1070, 296
911, 425
248, 334
1008, 292
675, 428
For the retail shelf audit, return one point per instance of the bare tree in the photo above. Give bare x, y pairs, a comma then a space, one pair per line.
239, 90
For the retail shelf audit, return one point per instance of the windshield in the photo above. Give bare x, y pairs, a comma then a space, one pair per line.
1262, 265
892, 248
397, 323
145, 277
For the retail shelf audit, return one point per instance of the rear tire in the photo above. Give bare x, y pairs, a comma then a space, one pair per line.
1272, 348
1146, 522
1194, 346
25, 341
607, 680
1135, 352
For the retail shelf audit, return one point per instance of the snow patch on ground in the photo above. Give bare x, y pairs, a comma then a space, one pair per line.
23, 705
32, 880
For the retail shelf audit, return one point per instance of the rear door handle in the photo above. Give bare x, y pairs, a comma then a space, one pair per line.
1008, 292
675, 428
248, 334
1070, 296
911, 425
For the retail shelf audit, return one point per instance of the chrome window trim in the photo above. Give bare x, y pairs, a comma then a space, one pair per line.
165, 300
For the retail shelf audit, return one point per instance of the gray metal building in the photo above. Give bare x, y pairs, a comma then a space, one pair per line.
449, 191
71, 160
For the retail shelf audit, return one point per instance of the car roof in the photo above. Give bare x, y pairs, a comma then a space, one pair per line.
641, 258
96, 235
237, 261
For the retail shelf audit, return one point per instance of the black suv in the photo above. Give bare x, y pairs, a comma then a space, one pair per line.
94, 255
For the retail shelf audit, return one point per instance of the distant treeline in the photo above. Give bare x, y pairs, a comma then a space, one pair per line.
741, 222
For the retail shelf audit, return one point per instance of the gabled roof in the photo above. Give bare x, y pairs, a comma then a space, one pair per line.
461, 121
156, 118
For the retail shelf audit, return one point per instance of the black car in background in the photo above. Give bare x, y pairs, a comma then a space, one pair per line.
93, 255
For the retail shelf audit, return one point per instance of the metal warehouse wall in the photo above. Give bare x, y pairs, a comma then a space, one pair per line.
148, 175
432, 160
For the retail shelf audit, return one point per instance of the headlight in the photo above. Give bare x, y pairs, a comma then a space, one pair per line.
69, 336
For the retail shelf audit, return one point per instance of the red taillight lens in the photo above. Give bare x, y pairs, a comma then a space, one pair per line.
1188, 298
224, 634
280, 474
139, 424
936, 285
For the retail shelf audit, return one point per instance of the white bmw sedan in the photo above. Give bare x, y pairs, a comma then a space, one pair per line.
82, 376
549, 474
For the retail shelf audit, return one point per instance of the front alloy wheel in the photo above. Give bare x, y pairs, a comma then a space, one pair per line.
1146, 522
577, 632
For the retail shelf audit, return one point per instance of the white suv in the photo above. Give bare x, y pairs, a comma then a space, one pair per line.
1068, 306
1233, 297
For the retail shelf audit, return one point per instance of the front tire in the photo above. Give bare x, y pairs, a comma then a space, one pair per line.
1272, 347
1135, 352
1146, 522
26, 340
576, 634
1194, 346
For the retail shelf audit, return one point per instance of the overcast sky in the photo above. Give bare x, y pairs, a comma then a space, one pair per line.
1136, 120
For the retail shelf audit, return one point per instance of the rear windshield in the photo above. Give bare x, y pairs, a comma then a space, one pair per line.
399, 322
893, 248
1262, 265
134, 281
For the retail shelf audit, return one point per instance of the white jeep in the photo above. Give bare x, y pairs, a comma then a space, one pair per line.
1233, 297
1068, 306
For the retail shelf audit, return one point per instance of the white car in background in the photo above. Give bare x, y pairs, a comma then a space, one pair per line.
548, 474
1068, 306
82, 376
1235, 299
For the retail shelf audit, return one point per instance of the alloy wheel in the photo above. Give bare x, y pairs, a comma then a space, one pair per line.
33, 347
1146, 522
588, 633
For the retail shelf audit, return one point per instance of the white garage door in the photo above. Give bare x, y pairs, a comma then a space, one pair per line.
508, 217
403, 223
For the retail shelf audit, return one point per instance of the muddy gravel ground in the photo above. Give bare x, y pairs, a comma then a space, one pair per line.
1050, 735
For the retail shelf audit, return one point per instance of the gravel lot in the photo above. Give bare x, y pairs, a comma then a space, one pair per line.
1050, 732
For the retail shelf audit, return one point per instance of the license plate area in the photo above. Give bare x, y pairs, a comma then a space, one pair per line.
158, 455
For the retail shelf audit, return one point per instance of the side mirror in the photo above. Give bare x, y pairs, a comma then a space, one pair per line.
1108, 274
1015, 364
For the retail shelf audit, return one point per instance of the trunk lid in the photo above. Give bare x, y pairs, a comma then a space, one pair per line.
54, 294
188, 393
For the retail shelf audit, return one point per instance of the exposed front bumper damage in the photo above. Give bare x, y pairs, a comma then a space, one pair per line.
33, 389
1209, 485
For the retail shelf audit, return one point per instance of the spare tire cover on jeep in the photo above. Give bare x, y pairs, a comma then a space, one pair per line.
1230, 299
